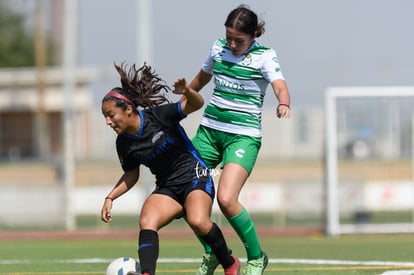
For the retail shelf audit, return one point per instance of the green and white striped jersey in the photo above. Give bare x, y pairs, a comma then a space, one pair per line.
240, 86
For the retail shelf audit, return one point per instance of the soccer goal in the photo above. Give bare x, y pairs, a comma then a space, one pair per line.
369, 160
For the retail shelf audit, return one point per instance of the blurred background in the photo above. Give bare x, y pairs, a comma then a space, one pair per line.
58, 158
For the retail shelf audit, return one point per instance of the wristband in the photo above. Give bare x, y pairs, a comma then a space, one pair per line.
284, 103
109, 198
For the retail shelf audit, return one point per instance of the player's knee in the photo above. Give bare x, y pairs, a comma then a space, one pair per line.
148, 222
228, 206
225, 202
199, 225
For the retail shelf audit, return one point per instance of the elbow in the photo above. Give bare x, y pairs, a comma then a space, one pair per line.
194, 106
197, 103
192, 102
200, 103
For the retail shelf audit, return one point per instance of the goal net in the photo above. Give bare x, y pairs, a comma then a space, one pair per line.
369, 160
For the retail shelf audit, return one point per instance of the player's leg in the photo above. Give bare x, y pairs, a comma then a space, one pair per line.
198, 206
205, 143
239, 159
227, 194
158, 210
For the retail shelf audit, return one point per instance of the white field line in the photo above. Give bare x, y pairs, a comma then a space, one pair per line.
399, 272
196, 260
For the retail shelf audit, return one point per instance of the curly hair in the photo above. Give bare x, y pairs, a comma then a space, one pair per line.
142, 87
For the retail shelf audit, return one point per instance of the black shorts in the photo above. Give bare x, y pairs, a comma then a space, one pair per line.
180, 192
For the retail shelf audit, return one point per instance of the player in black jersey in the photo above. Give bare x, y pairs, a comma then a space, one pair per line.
149, 133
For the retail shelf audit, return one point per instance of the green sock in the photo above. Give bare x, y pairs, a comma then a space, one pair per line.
244, 227
207, 248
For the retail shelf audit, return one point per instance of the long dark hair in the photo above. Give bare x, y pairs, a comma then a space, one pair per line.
142, 87
245, 20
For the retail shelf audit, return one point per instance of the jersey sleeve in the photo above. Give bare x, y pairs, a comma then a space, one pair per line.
170, 114
209, 60
271, 68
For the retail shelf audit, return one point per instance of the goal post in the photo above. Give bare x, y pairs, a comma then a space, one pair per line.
369, 159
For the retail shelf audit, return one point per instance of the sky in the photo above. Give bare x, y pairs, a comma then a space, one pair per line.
320, 43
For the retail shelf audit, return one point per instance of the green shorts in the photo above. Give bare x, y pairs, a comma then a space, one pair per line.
217, 147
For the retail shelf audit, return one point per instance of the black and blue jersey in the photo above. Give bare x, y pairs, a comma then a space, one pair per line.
163, 146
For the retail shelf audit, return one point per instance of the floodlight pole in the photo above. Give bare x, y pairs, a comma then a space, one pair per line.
69, 56
144, 31
144, 54
42, 135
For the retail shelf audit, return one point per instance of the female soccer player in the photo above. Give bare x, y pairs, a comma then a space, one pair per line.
230, 131
149, 133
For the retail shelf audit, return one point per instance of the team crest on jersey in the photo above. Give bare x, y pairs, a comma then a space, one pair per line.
247, 60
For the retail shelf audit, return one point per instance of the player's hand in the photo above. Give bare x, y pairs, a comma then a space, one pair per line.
180, 85
283, 111
106, 215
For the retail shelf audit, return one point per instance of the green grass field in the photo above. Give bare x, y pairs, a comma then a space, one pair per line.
362, 254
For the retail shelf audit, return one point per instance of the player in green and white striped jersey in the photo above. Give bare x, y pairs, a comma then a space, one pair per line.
230, 131
240, 86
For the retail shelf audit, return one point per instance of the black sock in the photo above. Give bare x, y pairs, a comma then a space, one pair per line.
216, 241
148, 249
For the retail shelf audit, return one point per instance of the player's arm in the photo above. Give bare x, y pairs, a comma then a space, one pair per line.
125, 183
200, 80
282, 94
191, 100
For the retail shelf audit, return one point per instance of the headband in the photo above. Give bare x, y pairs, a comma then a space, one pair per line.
116, 94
